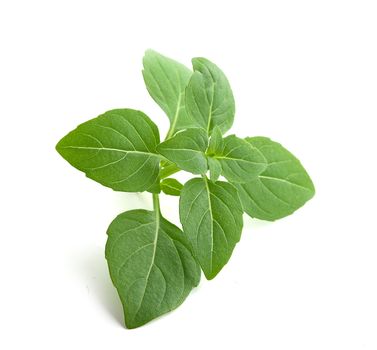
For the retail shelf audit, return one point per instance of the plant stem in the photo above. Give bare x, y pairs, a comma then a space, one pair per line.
170, 132
156, 203
168, 170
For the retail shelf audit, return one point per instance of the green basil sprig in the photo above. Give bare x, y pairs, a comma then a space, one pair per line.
154, 264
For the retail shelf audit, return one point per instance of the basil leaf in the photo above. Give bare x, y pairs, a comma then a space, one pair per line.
171, 187
240, 161
166, 81
155, 188
281, 189
168, 170
209, 97
214, 168
150, 264
166, 163
211, 216
216, 142
187, 150
116, 149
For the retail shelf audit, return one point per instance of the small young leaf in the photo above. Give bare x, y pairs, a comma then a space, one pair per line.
150, 264
215, 142
166, 81
211, 216
116, 149
209, 97
240, 161
171, 186
214, 167
187, 150
169, 170
281, 189
166, 163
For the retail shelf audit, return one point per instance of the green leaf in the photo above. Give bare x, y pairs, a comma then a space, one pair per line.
216, 142
155, 188
166, 163
187, 150
171, 186
240, 161
281, 189
214, 168
209, 97
116, 149
150, 264
166, 81
168, 170
215, 146
211, 216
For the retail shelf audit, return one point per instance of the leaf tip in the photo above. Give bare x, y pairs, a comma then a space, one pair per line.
59, 146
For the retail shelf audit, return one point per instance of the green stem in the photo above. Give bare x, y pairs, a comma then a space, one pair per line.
156, 203
170, 132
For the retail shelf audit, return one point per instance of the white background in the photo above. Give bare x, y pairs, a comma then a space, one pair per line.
303, 73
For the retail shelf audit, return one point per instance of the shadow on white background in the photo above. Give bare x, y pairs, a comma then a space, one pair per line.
91, 269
